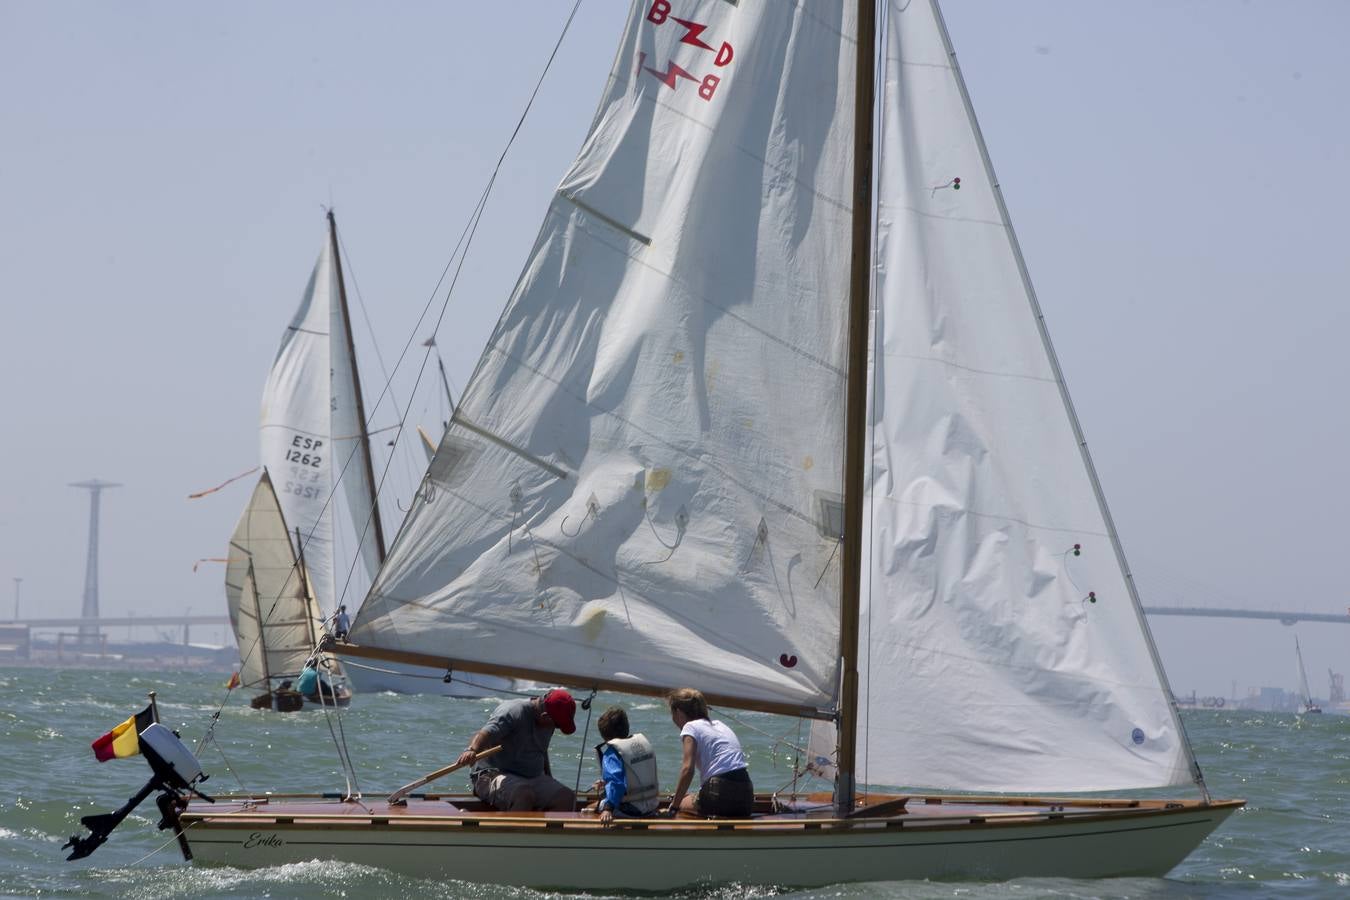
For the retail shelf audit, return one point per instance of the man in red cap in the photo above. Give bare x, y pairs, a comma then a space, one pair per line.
518, 777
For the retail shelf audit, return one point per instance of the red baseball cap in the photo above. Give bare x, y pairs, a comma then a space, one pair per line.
562, 709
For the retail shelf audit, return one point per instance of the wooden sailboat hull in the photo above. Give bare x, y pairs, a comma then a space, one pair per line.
940, 838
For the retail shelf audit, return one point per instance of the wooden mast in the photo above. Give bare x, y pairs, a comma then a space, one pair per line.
356, 384
855, 411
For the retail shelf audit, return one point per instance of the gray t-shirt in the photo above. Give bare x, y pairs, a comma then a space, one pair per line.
524, 744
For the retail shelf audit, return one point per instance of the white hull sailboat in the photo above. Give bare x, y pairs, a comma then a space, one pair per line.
727, 436
942, 838
1306, 705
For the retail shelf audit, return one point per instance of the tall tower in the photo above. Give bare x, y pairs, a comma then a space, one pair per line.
90, 634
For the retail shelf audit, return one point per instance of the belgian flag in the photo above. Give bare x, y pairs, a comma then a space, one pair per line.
125, 739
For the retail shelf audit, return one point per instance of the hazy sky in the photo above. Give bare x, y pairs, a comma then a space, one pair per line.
1177, 173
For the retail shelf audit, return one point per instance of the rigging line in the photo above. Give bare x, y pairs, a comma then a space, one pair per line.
760, 731
679, 538
460, 249
337, 744
450, 385
365, 314
339, 738
826, 567
466, 241
384, 371
346, 753
411, 469
581, 754
488, 689
370, 432
178, 831
492, 180
229, 768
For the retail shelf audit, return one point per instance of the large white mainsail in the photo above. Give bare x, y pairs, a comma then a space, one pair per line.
1002, 646
641, 482
275, 617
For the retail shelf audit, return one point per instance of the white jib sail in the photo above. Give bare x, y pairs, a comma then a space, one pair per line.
275, 618
297, 447
1002, 648
641, 481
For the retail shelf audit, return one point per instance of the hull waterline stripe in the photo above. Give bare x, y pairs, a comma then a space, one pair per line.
903, 845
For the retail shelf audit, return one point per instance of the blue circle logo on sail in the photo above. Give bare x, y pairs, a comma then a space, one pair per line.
1137, 735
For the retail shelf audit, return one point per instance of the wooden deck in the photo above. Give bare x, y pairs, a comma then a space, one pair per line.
457, 811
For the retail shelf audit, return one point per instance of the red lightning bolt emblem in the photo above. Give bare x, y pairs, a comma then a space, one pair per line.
670, 76
692, 31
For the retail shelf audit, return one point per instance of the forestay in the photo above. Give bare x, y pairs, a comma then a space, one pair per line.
1002, 645
641, 483
274, 617
348, 431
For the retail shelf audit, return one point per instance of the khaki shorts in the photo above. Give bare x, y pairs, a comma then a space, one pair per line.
513, 793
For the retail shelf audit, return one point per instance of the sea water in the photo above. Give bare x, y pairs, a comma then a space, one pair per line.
1292, 840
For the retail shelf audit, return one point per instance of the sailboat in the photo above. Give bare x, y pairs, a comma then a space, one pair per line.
275, 617
314, 435
1306, 705
727, 434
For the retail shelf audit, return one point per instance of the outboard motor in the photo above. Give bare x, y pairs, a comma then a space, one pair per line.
176, 773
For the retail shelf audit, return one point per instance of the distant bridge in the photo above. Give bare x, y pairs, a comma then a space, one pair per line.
1284, 617
117, 621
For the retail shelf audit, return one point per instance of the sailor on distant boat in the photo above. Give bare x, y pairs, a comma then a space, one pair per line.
518, 777
628, 770
311, 679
